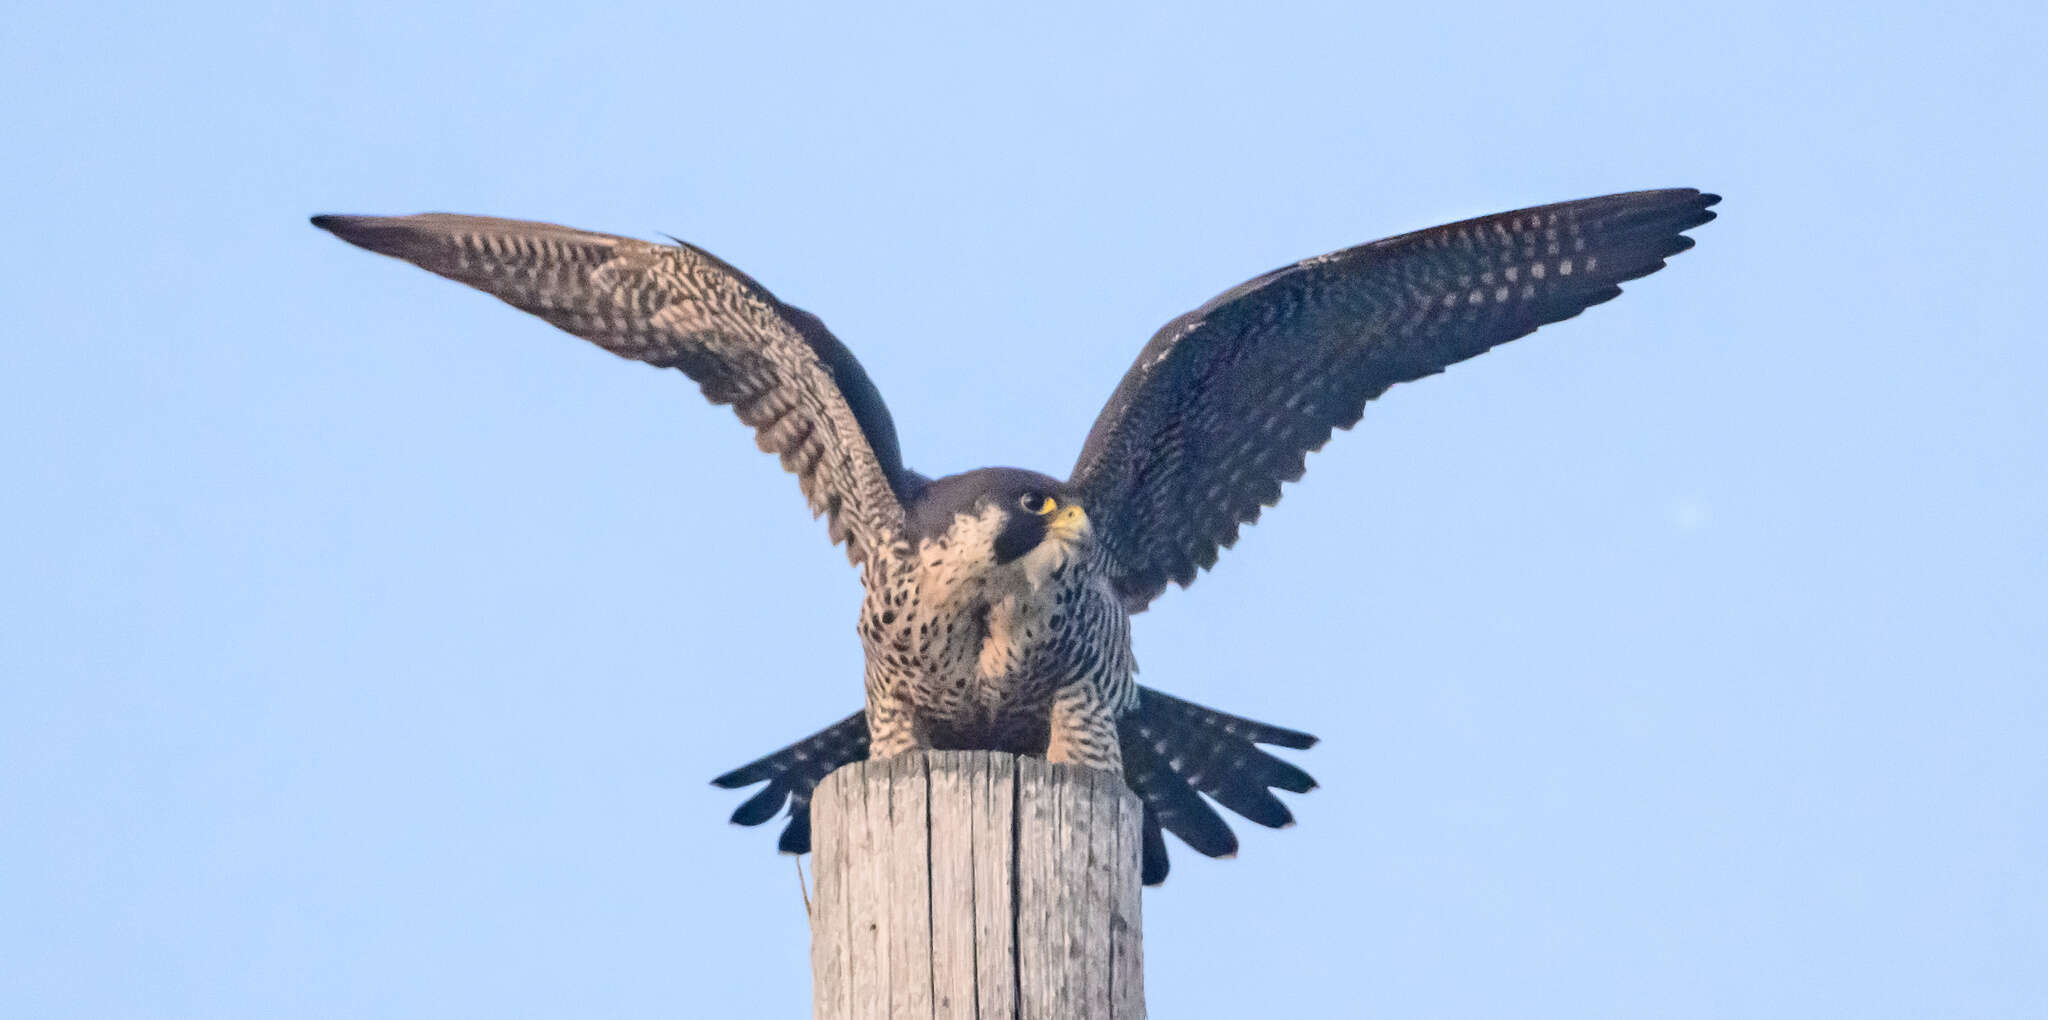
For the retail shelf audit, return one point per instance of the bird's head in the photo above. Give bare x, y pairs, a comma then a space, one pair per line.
1004, 519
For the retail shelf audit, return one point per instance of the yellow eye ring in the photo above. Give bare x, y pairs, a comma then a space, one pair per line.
1037, 504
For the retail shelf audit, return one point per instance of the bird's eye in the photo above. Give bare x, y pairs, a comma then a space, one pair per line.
1036, 503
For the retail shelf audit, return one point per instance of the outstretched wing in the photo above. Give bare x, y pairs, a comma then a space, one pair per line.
1226, 402
681, 307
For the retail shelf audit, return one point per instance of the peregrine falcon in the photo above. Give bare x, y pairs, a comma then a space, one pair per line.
998, 601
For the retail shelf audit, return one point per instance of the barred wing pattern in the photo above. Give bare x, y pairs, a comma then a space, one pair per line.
1226, 402
681, 307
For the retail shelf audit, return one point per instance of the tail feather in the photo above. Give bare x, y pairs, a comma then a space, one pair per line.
1231, 725
761, 806
1153, 863
792, 773
1173, 748
1253, 802
1174, 751
1168, 798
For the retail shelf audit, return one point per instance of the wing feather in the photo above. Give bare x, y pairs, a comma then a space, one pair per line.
678, 306
1226, 402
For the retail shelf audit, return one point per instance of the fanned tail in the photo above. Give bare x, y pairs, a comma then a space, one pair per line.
792, 773
1174, 748
1174, 752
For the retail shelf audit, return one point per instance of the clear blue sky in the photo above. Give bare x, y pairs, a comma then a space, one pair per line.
367, 645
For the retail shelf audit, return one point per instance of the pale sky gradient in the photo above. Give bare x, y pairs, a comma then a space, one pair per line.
368, 645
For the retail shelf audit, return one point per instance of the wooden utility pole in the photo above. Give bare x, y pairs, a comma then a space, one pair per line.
975, 884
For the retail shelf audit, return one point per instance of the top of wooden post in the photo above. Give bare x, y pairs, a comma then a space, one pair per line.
975, 884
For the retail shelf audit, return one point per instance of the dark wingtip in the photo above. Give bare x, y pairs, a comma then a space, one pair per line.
403, 237
336, 224
1706, 215
360, 231
1700, 214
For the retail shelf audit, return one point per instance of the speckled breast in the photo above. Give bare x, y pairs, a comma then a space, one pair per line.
979, 665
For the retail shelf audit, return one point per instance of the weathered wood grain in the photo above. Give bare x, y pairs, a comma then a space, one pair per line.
952, 859
968, 884
831, 987
907, 861
1126, 922
868, 890
992, 810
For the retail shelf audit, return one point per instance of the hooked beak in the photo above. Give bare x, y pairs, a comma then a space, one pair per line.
1069, 524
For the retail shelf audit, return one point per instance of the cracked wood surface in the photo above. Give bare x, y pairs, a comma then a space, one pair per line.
974, 884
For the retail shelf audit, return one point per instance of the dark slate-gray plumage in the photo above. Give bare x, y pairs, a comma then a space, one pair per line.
998, 601
1226, 402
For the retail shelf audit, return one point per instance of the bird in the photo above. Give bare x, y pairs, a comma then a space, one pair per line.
998, 602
